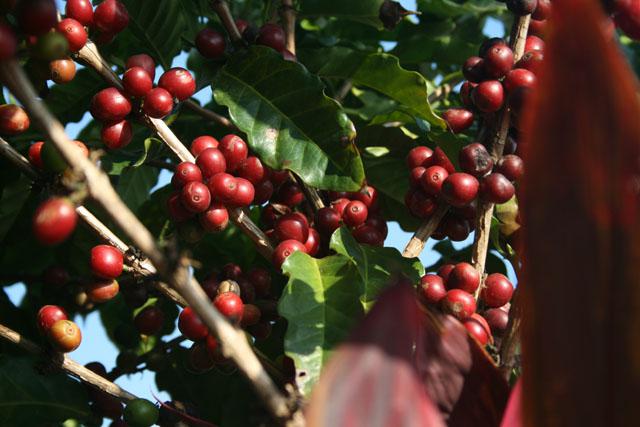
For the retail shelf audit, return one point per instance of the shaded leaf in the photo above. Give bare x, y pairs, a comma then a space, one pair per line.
13, 195
70, 102
135, 183
365, 11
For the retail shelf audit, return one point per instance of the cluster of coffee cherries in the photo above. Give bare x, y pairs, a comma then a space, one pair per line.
211, 43
111, 106
452, 290
63, 334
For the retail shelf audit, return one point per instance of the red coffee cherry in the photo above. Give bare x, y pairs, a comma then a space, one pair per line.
210, 43
36, 17
279, 177
415, 176
459, 303
158, 103
368, 235
498, 319
106, 262
473, 69
81, 11
62, 70
543, 10
143, 61
292, 226
230, 305
464, 276
475, 325
116, 135
284, 249
531, 61
272, 35
74, 32
223, 187
488, 96
48, 315
235, 150
201, 143
419, 156
110, 105
137, 82
519, 78
355, 213
367, 195
432, 179
54, 221
178, 82
511, 166
290, 194
432, 288
65, 336
495, 188
263, 192
313, 242
378, 222
111, 17
440, 158
533, 43
420, 204
460, 189
211, 161
251, 169
250, 315
327, 220
465, 93
458, 119
497, 290
103, 290
537, 28
244, 194
445, 272
191, 326
498, 61
8, 42
177, 212
627, 17
475, 159
488, 44
195, 197
149, 321
339, 205
261, 280
13, 120
216, 218
231, 271
184, 173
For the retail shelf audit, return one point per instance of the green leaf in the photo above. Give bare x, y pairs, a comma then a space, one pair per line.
365, 11
152, 148
70, 101
135, 183
13, 195
450, 8
289, 121
379, 71
31, 399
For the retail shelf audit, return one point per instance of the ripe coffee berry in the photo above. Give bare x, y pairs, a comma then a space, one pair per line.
110, 105
210, 43
286, 248
223, 187
263, 192
432, 179
36, 17
251, 169
273, 36
419, 156
421, 204
488, 96
74, 32
355, 213
80, 10
473, 69
464, 276
65, 336
475, 325
415, 176
498, 319
459, 303
511, 166
368, 235
519, 78
158, 103
521, 7
149, 321
533, 43
475, 159
216, 218
465, 94
440, 159
543, 10
455, 228
211, 161
143, 61
191, 326
231, 271
495, 188
531, 61
54, 221
111, 16
8, 42
458, 119
235, 151
178, 82
445, 271
313, 242
432, 288
177, 212
48, 315
250, 316
367, 195
230, 305
292, 226
106, 262
184, 173
488, 44
103, 290
460, 189
261, 280
13, 120
498, 61
201, 143
290, 194
137, 82
244, 193
339, 205
195, 196
327, 220
116, 135
497, 290
62, 70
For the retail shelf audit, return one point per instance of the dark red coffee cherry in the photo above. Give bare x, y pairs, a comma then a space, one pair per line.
464, 276
495, 188
327, 220
184, 173
150, 320
459, 303
432, 179
292, 226
458, 119
285, 249
158, 103
223, 187
290, 194
355, 213
272, 35
48, 315
367, 195
432, 288
475, 325
54, 221
465, 94
36, 17
110, 105
195, 196
440, 158
475, 159
279, 177
235, 151
339, 205
522, 7
498, 61
445, 271
519, 78
460, 189
313, 242
263, 192
106, 262
543, 10
531, 61
62, 70
511, 166
455, 228
244, 194
419, 156
230, 305
473, 69
143, 61
201, 143
537, 28
231, 271
216, 218
415, 176
250, 315
102, 290
488, 96
13, 120
261, 280
210, 43
178, 82
211, 161
116, 135
251, 169
81, 11
74, 32
533, 43
8, 42
191, 326
177, 212
498, 319
368, 235
65, 336
488, 44
111, 16
627, 17
378, 222
137, 82
421, 204
497, 290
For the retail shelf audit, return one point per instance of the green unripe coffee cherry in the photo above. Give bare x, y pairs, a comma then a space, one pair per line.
141, 413
51, 46
52, 159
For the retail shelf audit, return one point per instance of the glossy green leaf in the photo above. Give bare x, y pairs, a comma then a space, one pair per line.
365, 11
289, 121
135, 183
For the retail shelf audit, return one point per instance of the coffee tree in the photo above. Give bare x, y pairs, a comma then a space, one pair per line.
255, 281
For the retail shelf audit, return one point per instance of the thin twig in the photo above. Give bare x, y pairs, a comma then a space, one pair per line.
208, 114
224, 13
68, 365
511, 338
422, 234
17, 159
288, 16
343, 91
